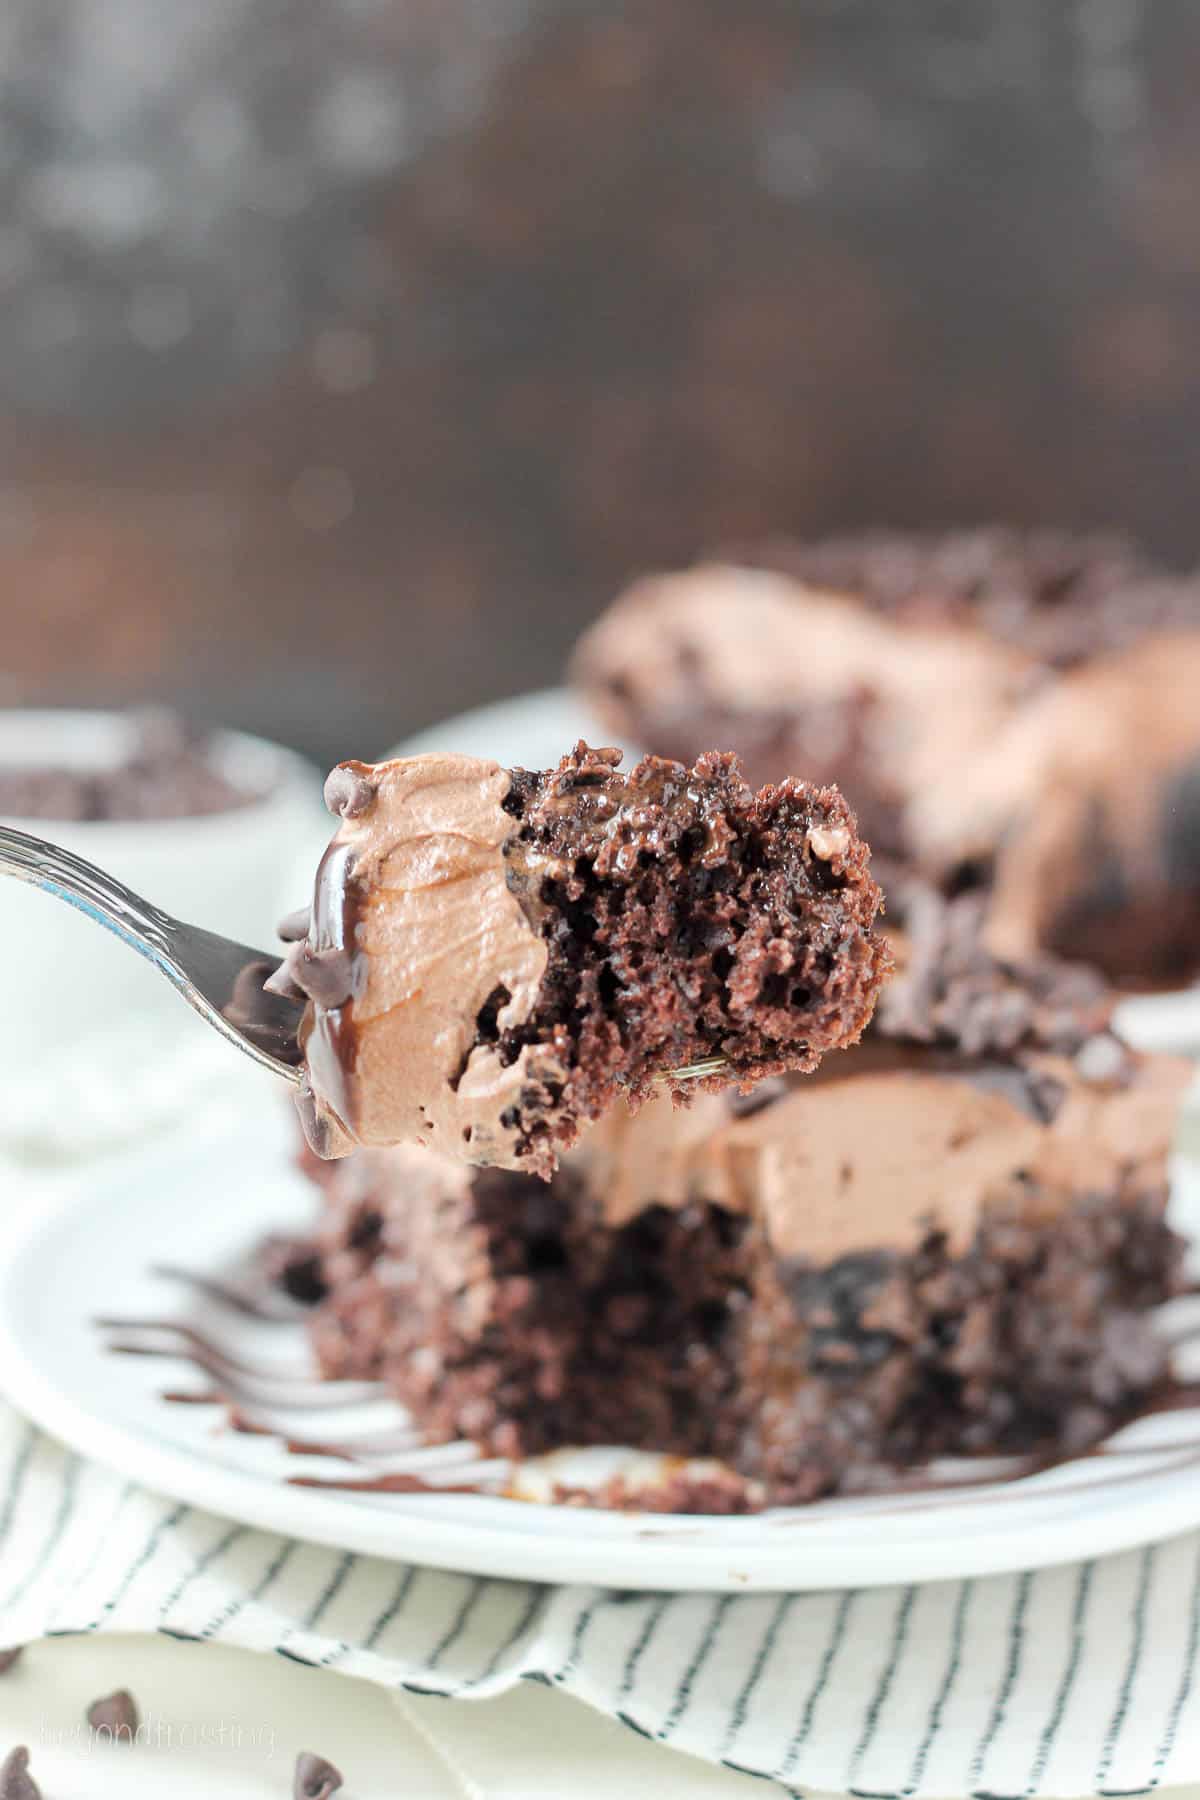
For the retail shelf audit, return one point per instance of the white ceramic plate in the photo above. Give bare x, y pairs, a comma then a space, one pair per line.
76, 1247
87, 1246
535, 729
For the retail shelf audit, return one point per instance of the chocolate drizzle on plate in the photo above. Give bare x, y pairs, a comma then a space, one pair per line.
255, 1296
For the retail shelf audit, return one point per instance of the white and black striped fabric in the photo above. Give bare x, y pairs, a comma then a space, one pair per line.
1071, 1681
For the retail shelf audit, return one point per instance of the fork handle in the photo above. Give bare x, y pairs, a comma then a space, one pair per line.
268, 1039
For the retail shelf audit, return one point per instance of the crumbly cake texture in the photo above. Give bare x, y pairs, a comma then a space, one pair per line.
686, 917
495, 957
528, 1317
499, 1309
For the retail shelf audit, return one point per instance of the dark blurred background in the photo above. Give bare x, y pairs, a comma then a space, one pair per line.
353, 353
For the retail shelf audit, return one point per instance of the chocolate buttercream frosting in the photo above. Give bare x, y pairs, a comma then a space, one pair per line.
413, 930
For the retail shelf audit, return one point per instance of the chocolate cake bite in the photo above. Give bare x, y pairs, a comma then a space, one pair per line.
494, 957
949, 1241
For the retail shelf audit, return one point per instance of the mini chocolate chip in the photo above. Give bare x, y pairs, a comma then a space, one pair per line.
8, 1658
295, 927
326, 976
347, 792
283, 982
116, 1714
16, 1783
315, 1779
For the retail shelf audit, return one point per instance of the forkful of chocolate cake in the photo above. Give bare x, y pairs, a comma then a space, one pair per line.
493, 957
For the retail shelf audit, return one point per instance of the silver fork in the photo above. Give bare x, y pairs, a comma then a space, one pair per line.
222, 980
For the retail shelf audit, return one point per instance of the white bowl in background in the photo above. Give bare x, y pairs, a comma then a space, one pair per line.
64, 979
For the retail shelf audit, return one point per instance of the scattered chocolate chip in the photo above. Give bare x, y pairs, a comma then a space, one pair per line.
283, 982
315, 1779
116, 1714
326, 976
16, 1783
9, 1658
294, 928
347, 792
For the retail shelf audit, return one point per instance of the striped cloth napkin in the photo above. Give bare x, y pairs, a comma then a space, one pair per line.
1071, 1681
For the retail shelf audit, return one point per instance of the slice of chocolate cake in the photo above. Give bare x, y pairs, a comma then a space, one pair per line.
985, 1237
495, 956
948, 1241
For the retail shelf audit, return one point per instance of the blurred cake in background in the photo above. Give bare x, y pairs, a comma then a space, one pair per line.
793, 677
1011, 713
948, 1241
1082, 816
1063, 597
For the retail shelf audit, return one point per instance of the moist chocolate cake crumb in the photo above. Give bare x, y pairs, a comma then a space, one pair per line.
686, 918
315, 1778
168, 774
544, 1327
16, 1783
1039, 1336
